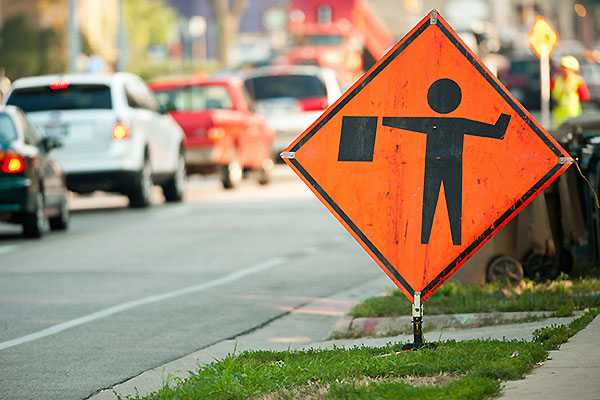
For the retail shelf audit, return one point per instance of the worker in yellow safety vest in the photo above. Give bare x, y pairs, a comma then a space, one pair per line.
568, 91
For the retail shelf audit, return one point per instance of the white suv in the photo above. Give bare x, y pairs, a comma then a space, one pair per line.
115, 136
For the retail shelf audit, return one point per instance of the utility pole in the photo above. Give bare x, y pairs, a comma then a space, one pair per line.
121, 40
73, 35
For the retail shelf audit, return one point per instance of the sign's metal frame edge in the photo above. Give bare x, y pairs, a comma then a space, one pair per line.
539, 186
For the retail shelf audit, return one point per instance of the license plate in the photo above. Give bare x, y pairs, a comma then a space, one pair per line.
59, 130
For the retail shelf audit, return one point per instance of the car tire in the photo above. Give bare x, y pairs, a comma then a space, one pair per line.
232, 174
34, 222
141, 193
175, 186
61, 221
264, 173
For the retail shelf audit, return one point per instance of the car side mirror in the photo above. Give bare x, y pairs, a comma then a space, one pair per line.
51, 142
166, 108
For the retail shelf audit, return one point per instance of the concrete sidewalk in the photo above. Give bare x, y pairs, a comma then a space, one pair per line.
574, 371
571, 372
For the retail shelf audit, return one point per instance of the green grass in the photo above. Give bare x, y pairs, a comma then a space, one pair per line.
562, 296
553, 336
471, 369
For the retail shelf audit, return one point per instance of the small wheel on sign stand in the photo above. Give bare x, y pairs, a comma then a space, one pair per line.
505, 268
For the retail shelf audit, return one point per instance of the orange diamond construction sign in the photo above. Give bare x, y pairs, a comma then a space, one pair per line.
426, 157
542, 37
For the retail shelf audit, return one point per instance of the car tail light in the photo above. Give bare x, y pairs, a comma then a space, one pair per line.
120, 131
59, 84
354, 61
313, 103
215, 133
11, 163
332, 58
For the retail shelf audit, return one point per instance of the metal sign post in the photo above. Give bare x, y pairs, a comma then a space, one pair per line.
543, 38
545, 90
417, 321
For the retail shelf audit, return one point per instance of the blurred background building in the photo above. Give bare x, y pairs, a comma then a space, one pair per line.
174, 36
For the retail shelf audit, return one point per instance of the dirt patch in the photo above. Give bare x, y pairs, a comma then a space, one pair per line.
318, 391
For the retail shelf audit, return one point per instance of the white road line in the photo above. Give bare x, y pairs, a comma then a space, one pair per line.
310, 250
8, 249
170, 213
140, 302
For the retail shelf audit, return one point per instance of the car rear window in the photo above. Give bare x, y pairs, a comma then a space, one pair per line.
72, 97
325, 40
8, 133
278, 86
590, 72
529, 68
194, 98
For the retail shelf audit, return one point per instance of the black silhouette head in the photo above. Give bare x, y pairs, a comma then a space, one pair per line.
444, 96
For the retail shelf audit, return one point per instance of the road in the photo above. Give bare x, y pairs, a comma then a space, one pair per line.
127, 290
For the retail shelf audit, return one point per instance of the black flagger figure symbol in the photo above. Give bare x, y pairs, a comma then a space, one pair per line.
443, 152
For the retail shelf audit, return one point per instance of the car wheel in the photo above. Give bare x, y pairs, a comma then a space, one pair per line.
231, 174
175, 187
34, 223
141, 193
264, 174
61, 221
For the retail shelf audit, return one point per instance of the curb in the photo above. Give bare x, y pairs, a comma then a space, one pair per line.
384, 326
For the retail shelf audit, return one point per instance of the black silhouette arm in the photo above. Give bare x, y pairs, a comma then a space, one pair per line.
415, 124
482, 129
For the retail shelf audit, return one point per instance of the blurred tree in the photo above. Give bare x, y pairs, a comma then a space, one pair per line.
25, 50
228, 21
147, 22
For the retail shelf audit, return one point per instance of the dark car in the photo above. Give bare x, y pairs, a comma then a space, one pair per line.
33, 189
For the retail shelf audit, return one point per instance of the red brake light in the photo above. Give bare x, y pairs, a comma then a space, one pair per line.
215, 133
120, 131
313, 103
11, 163
59, 84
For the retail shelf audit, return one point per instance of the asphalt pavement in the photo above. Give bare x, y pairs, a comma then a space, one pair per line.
572, 371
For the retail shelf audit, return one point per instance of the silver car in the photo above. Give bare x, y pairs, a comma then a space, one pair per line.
115, 136
292, 97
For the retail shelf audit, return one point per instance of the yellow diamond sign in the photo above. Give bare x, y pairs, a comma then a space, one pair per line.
542, 37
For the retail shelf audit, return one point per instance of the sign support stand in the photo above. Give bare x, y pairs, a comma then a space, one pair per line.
417, 322
545, 89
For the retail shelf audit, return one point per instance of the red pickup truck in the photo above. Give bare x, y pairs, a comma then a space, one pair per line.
222, 133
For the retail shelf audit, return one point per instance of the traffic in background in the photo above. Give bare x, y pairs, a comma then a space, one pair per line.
242, 91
